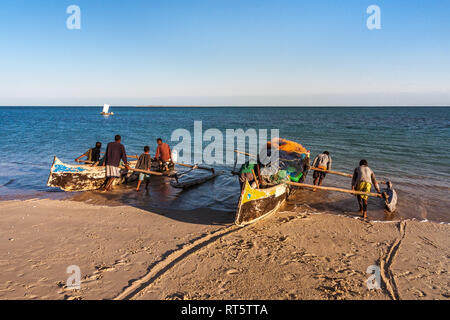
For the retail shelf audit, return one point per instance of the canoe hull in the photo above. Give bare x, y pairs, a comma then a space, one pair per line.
256, 204
78, 177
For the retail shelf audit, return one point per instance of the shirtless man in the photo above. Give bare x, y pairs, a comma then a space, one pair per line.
163, 154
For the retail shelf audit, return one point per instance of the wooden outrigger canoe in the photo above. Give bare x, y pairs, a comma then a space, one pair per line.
85, 177
255, 204
80, 177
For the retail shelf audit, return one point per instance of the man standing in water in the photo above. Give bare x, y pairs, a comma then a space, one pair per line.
163, 154
323, 162
362, 180
144, 163
115, 152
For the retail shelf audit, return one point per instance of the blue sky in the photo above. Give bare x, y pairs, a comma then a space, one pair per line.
225, 52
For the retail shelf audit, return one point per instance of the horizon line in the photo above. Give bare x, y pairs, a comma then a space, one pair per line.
227, 106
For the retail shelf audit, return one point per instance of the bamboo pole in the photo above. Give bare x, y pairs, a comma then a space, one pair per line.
143, 171
247, 154
131, 169
333, 172
371, 194
128, 156
339, 173
85, 161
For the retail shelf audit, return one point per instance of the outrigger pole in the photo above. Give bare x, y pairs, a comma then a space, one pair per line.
339, 173
131, 169
359, 193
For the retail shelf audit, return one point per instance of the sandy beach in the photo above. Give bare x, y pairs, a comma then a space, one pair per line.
126, 252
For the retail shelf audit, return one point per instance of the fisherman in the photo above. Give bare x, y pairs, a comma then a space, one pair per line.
163, 154
250, 171
362, 180
144, 163
323, 162
306, 164
93, 154
115, 152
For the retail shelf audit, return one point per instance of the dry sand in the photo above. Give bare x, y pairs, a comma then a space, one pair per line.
126, 252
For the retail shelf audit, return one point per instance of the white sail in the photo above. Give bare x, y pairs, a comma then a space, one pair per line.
105, 108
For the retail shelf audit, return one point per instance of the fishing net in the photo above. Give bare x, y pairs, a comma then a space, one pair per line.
293, 163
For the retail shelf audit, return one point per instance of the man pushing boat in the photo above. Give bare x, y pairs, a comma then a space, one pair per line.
115, 152
362, 180
322, 162
250, 171
164, 155
144, 163
93, 154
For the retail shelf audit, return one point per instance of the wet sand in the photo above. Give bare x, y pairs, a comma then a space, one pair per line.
129, 252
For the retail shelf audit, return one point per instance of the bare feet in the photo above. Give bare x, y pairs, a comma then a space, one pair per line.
137, 190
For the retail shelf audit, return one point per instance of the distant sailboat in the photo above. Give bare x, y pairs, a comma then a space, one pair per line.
105, 110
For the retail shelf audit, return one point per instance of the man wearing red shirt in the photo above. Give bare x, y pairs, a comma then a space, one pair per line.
163, 154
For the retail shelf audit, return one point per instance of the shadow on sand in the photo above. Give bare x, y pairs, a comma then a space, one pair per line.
342, 204
192, 205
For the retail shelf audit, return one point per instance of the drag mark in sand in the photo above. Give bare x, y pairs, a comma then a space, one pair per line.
385, 264
159, 268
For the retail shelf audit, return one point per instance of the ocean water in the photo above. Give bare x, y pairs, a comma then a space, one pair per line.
409, 146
